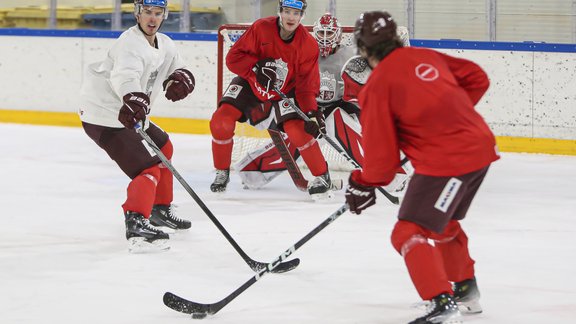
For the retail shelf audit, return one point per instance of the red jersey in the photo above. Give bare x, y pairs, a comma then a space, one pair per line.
297, 60
422, 102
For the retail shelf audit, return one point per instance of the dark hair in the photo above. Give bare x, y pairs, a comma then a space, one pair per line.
381, 50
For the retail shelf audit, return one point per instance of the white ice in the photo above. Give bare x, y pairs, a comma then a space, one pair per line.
64, 259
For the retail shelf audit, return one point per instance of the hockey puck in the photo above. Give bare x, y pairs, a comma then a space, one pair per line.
199, 315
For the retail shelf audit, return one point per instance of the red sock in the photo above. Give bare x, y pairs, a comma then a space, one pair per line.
165, 187
453, 248
423, 261
141, 192
222, 126
307, 145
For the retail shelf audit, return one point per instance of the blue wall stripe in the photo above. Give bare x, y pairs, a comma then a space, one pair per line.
443, 43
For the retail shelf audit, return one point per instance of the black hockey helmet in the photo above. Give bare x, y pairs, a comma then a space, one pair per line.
374, 27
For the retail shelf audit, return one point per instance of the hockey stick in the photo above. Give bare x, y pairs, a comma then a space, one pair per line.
293, 169
255, 265
200, 311
291, 165
393, 199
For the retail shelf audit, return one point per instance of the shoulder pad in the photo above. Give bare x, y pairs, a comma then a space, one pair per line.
357, 68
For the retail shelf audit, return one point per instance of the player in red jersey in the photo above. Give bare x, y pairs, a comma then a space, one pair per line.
422, 102
274, 53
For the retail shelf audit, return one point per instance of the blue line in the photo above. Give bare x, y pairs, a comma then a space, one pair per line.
212, 37
90, 33
494, 46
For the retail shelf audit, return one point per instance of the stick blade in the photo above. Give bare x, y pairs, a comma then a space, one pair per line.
286, 266
185, 306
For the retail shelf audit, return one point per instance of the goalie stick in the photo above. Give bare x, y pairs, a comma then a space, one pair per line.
199, 310
293, 169
255, 265
393, 199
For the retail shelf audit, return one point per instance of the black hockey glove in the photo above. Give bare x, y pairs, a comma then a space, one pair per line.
316, 126
265, 70
359, 196
179, 84
134, 109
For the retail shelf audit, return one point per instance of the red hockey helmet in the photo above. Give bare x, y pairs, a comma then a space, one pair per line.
374, 27
328, 33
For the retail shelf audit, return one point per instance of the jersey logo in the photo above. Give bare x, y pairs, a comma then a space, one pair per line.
233, 91
327, 87
427, 72
281, 73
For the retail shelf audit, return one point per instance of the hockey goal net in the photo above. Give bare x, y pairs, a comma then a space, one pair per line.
248, 138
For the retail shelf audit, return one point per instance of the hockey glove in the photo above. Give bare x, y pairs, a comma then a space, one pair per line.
358, 195
179, 84
316, 126
265, 70
134, 109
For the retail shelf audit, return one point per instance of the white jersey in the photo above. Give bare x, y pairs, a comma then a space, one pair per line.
331, 83
132, 65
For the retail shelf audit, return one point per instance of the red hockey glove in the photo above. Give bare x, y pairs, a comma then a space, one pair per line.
134, 109
265, 70
359, 196
179, 84
316, 126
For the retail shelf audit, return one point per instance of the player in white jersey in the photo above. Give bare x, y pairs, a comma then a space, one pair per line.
342, 75
117, 95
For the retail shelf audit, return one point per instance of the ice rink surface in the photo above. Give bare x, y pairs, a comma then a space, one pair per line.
64, 259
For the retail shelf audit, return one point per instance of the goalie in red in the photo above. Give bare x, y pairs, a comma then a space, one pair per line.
422, 102
342, 75
274, 53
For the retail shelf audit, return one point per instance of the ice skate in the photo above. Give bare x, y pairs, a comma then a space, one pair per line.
221, 181
143, 237
467, 296
440, 310
320, 187
164, 217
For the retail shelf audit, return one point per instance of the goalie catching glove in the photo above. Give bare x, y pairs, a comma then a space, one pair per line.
134, 109
265, 70
359, 195
316, 126
179, 84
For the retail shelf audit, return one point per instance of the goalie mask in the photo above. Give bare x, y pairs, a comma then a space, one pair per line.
328, 33
140, 4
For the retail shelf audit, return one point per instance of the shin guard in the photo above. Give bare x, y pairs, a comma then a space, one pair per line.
141, 191
422, 260
307, 146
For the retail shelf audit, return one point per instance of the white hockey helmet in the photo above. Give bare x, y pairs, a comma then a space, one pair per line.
328, 33
139, 4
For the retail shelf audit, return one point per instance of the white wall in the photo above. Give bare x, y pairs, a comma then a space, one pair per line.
533, 94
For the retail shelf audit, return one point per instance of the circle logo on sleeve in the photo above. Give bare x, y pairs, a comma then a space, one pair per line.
427, 72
